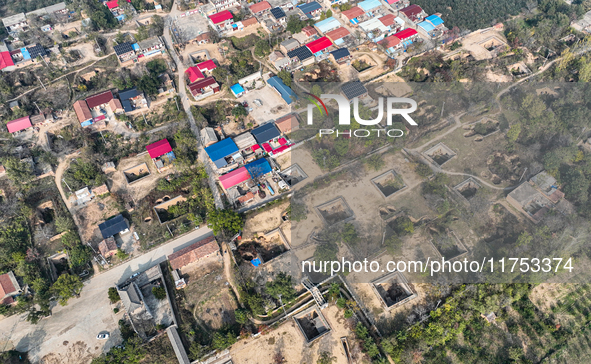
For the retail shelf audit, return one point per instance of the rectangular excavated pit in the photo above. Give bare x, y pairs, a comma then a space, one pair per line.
440, 154
136, 173
389, 183
335, 211
312, 323
393, 290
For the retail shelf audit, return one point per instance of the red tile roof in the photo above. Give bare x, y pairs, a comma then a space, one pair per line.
115, 105
406, 33
391, 41
353, 13
194, 74
82, 111
287, 124
258, 7
235, 177
319, 44
6, 286
243, 199
197, 86
5, 60
208, 65
250, 21
159, 148
19, 124
99, 99
108, 247
412, 11
338, 33
387, 19
193, 253
220, 17
309, 31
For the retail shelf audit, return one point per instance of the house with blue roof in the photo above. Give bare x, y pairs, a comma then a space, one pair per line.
311, 9
435, 20
286, 93
237, 90
258, 168
369, 6
327, 25
432, 25
222, 153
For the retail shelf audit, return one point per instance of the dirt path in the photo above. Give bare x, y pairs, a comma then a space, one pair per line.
59, 172
228, 265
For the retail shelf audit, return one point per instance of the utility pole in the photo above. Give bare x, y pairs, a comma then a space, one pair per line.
145, 122
283, 307
34, 102
41, 83
63, 180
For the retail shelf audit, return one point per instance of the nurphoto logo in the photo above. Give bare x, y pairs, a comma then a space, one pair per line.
345, 115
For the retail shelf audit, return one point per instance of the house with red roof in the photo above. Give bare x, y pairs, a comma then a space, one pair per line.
338, 33
406, 36
9, 288
222, 21
235, 177
200, 250
6, 61
19, 124
352, 15
204, 88
83, 113
161, 154
319, 45
113, 4
206, 66
194, 74
99, 100
414, 13
260, 8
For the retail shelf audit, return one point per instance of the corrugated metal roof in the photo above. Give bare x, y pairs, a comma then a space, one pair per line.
327, 24
244, 140
265, 132
353, 13
159, 148
368, 5
19, 124
286, 93
220, 17
258, 168
99, 99
113, 226
221, 149
235, 177
338, 33
319, 44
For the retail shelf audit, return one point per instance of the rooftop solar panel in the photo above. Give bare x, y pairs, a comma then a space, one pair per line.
353, 89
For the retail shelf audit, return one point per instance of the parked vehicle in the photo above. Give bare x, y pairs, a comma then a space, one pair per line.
103, 336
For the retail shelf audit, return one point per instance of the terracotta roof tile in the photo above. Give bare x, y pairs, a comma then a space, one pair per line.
193, 253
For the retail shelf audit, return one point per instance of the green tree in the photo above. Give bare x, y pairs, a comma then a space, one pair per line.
326, 358
80, 255
19, 172
113, 295
241, 316
239, 111
285, 76
159, 292
281, 286
66, 287
349, 234
224, 221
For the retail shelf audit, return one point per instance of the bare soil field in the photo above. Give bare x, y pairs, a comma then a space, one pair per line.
211, 302
95, 212
288, 342
264, 221
142, 187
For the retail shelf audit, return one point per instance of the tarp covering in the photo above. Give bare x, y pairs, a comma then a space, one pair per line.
258, 168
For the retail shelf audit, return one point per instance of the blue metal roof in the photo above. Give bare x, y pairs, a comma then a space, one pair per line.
368, 5
327, 24
128, 94
135, 47
126, 105
434, 19
258, 168
426, 26
265, 132
25, 53
237, 89
286, 93
340, 53
221, 149
309, 7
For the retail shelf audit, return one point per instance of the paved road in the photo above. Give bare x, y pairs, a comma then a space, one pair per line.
69, 335
187, 106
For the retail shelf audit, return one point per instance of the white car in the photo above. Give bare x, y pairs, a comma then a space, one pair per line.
283, 185
103, 336
258, 102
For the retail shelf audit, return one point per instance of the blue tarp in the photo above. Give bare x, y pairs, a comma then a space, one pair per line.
237, 89
258, 168
256, 262
286, 93
25, 53
426, 26
354, 21
120, 17
221, 149
135, 47
86, 123
368, 5
434, 19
